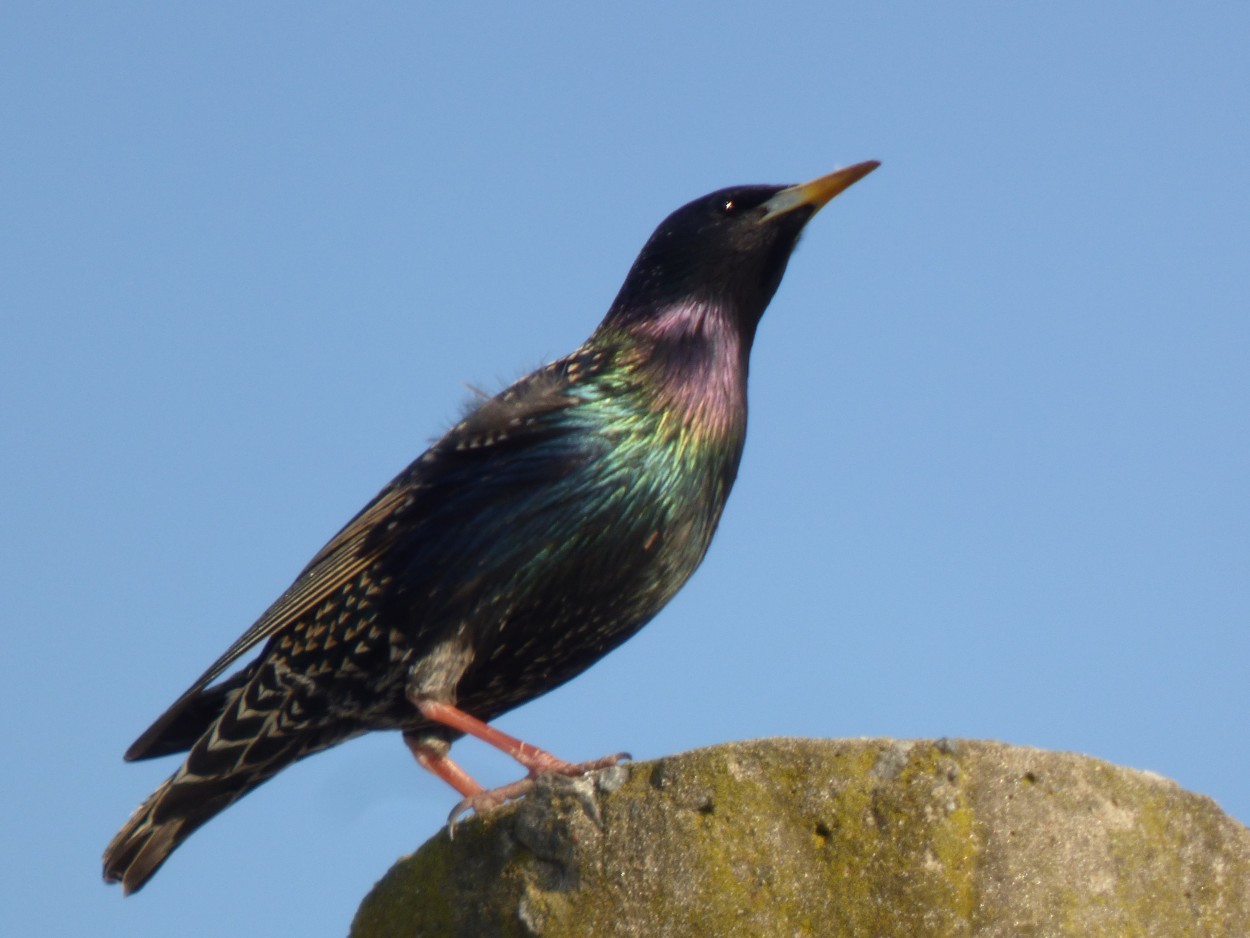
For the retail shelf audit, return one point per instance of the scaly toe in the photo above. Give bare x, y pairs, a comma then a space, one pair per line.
483, 802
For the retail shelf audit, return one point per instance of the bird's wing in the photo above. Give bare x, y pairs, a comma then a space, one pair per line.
519, 419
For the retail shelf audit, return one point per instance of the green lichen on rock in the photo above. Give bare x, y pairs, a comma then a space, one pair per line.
833, 838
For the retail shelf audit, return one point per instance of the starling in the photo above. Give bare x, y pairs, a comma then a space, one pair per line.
545, 528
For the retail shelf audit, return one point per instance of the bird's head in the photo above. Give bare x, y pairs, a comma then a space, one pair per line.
725, 251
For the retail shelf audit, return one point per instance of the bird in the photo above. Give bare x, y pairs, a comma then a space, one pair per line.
545, 528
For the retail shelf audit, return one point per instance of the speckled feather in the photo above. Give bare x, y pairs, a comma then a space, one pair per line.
539, 533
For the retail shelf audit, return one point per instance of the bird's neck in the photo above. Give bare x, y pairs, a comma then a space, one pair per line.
693, 358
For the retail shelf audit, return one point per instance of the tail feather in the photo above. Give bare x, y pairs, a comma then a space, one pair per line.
242, 748
143, 844
141, 856
170, 815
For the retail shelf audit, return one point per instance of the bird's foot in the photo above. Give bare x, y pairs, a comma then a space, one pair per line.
477, 799
487, 800
539, 762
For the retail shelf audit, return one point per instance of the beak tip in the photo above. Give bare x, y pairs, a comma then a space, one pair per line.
820, 191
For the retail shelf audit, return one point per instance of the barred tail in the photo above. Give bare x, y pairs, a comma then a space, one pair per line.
249, 742
169, 816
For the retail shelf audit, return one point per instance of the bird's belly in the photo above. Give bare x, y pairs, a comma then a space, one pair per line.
601, 593
532, 655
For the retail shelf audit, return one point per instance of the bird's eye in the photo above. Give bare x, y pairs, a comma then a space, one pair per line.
729, 207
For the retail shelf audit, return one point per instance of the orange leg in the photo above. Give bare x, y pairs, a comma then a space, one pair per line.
536, 761
432, 760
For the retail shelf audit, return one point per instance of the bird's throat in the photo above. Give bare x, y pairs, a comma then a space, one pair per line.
695, 359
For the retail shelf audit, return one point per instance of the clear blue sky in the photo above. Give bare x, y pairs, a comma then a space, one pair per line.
996, 483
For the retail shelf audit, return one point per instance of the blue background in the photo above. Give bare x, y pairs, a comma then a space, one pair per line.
996, 480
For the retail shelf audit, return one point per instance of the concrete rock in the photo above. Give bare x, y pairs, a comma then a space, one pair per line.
856, 838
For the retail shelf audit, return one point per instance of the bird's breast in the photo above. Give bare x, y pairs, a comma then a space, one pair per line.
616, 540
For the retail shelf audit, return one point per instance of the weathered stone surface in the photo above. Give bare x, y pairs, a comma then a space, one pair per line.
862, 838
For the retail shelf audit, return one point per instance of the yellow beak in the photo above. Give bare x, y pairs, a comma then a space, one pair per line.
818, 192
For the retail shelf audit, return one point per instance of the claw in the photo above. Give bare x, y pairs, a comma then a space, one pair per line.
489, 799
476, 799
